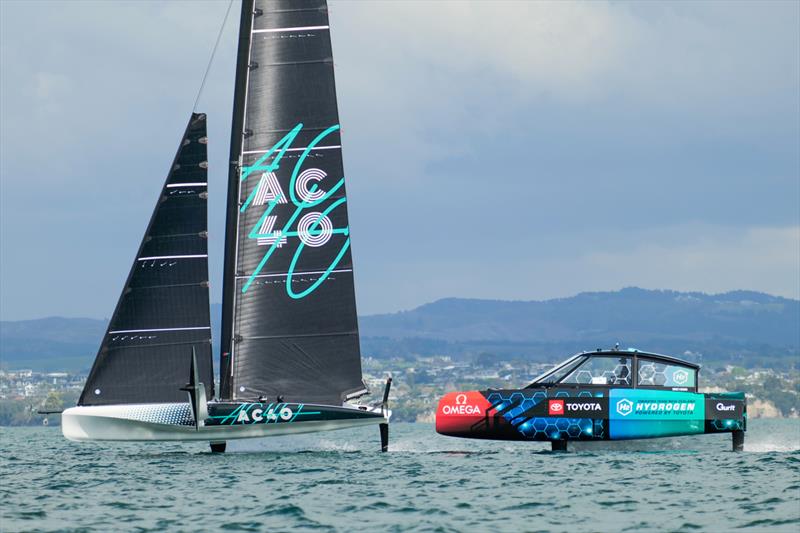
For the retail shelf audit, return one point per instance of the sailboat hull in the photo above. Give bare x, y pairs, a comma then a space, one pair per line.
227, 421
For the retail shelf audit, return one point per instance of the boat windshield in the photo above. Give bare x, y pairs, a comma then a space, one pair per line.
557, 373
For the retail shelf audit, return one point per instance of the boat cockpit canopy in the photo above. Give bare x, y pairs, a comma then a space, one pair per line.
621, 368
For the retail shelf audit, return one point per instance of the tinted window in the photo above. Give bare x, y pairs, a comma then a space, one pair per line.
658, 374
555, 375
602, 371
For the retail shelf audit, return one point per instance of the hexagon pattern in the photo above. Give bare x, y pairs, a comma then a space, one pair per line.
652, 374
614, 372
544, 428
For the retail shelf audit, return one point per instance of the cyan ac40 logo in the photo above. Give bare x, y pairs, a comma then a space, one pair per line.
257, 413
260, 415
314, 228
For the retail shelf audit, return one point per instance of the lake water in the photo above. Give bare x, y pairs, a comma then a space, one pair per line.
338, 481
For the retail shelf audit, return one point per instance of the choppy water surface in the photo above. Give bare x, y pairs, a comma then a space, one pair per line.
339, 481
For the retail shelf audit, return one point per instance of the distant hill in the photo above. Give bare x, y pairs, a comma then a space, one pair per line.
50, 344
729, 326
629, 313
741, 327
57, 343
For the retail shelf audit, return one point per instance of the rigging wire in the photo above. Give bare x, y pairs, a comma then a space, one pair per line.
213, 53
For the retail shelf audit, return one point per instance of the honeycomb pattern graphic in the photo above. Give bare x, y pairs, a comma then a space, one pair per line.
175, 414
619, 375
545, 428
652, 374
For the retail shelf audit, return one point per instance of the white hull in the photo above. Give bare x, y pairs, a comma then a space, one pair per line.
151, 422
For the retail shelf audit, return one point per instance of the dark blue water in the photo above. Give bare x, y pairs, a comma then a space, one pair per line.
339, 482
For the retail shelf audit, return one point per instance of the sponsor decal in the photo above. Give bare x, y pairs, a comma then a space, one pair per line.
459, 411
571, 407
461, 407
258, 413
626, 407
644, 413
555, 407
723, 408
584, 407
680, 377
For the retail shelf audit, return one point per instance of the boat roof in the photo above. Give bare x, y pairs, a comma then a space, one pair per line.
633, 351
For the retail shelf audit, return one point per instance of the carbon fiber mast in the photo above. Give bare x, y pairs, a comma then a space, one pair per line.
232, 213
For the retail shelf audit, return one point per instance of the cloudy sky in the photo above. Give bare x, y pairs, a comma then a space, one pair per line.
494, 150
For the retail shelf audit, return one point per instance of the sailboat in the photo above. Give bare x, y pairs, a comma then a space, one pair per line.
290, 360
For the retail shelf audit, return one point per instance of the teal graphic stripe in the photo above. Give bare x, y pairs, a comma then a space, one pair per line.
644, 413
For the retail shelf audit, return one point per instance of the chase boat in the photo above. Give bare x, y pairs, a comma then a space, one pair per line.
601, 395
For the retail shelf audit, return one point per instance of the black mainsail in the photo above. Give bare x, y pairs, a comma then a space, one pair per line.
163, 311
289, 326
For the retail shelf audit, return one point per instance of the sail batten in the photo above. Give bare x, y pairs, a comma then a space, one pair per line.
163, 311
289, 318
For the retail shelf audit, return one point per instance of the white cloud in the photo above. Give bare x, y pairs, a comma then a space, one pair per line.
424, 80
552, 46
708, 260
577, 49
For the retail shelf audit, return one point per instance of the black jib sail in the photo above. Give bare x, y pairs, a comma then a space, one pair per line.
163, 312
289, 326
